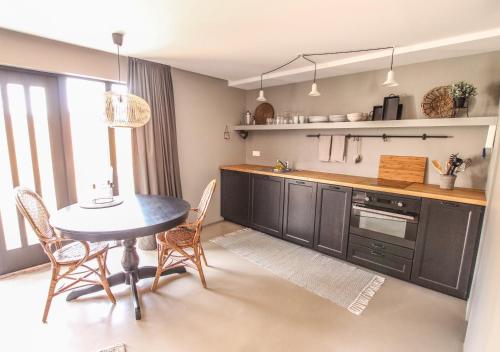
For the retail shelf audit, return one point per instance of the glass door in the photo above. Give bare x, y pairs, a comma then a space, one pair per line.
31, 155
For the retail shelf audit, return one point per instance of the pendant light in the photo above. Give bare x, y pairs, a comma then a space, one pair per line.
314, 88
125, 110
261, 96
390, 81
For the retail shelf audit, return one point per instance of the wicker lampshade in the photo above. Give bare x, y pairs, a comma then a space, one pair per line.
126, 110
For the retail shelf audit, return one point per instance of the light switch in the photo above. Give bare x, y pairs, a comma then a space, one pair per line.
255, 152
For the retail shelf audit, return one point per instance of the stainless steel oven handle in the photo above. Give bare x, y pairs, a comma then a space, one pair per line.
381, 212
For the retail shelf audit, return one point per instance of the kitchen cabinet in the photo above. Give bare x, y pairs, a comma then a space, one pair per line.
235, 196
299, 212
266, 204
380, 256
333, 208
446, 245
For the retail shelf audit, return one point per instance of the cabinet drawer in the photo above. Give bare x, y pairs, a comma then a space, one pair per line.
381, 246
379, 260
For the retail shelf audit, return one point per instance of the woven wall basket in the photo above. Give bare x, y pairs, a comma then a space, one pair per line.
438, 103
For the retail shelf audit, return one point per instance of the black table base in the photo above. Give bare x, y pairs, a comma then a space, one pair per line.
131, 274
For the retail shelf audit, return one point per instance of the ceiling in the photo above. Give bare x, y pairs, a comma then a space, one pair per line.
237, 40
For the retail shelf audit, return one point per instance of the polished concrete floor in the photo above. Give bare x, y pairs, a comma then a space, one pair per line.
245, 308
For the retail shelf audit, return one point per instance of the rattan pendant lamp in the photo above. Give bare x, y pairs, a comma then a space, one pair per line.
125, 110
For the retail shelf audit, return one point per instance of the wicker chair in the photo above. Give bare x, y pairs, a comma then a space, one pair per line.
174, 244
69, 261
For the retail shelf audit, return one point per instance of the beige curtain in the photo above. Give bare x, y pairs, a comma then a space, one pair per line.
154, 146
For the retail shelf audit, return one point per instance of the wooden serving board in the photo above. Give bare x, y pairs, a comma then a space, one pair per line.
263, 112
402, 168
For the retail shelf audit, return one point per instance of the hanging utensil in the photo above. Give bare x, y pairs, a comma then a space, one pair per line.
357, 158
437, 165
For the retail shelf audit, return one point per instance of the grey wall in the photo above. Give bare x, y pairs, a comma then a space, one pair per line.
203, 107
360, 92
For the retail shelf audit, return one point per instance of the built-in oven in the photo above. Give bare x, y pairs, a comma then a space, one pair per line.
385, 217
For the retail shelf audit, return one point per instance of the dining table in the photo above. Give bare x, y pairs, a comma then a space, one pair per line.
137, 216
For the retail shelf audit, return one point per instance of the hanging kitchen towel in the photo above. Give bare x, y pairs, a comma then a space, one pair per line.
324, 146
338, 149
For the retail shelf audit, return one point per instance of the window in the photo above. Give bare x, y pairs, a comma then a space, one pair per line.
32, 152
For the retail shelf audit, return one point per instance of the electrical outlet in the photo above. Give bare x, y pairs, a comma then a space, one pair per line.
255, 152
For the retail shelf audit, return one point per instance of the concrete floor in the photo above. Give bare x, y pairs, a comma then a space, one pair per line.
245, 308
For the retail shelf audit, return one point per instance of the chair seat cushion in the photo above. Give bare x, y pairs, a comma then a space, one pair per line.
179, 236
75, 251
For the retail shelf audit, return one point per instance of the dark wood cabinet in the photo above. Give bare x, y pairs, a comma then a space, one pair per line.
333, 209
446, 245
235, 196
299, 211
266, 204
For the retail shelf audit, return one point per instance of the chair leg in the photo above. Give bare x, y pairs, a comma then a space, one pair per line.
50, 295
197, 262
203, 254
159, 268
106, 263
104, 280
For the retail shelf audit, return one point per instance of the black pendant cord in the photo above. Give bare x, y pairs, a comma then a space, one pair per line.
314, 62
119, 72
306, 57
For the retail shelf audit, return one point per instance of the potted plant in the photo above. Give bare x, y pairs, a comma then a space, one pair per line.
461, 92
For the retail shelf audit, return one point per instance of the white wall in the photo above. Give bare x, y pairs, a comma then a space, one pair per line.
484, 307
360, 92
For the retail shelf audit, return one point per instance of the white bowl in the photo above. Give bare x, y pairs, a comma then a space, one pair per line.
337, 118
357, 116
315, 119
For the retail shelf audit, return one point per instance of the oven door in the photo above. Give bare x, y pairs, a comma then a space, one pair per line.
384, 225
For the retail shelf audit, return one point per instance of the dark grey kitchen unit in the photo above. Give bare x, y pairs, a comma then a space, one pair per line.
235, 196
266, 204
381, 256
299, 212
333, 207
447, 240
318, 215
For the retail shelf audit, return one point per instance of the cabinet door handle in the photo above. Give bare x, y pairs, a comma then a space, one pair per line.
377, 254
450, 204
378, 245
300, 182
334, 187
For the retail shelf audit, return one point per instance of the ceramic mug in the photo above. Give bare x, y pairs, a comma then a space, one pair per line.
302, 119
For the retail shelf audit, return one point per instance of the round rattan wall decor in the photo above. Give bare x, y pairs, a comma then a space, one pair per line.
438, 103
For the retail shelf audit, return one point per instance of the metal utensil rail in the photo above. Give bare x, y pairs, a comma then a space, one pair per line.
384, 136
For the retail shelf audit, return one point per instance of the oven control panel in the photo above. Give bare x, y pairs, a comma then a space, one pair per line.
386, 200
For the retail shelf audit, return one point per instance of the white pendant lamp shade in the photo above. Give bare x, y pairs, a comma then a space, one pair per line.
390, 81
126, 110
314, 91
261, 96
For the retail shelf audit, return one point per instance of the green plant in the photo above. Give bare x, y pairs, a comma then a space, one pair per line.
462, 90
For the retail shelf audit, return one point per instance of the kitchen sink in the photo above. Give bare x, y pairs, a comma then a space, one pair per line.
273, 170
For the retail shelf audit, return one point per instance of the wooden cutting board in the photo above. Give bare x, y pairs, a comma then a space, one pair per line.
402, 168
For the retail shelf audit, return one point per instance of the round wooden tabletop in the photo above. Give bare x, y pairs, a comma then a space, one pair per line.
137, 216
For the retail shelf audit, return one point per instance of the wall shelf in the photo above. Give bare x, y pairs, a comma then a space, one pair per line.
410, 123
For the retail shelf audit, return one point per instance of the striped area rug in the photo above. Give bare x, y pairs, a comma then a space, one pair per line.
342, 283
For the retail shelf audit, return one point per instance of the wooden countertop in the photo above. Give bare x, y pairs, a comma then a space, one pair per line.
461, 195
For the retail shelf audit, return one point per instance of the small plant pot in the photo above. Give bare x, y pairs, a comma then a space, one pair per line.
447, 181
459, 103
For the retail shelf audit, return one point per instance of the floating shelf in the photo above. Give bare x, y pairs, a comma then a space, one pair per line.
410, 123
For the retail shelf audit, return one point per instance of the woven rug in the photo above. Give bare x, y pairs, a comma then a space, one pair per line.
116, 348
338, 281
